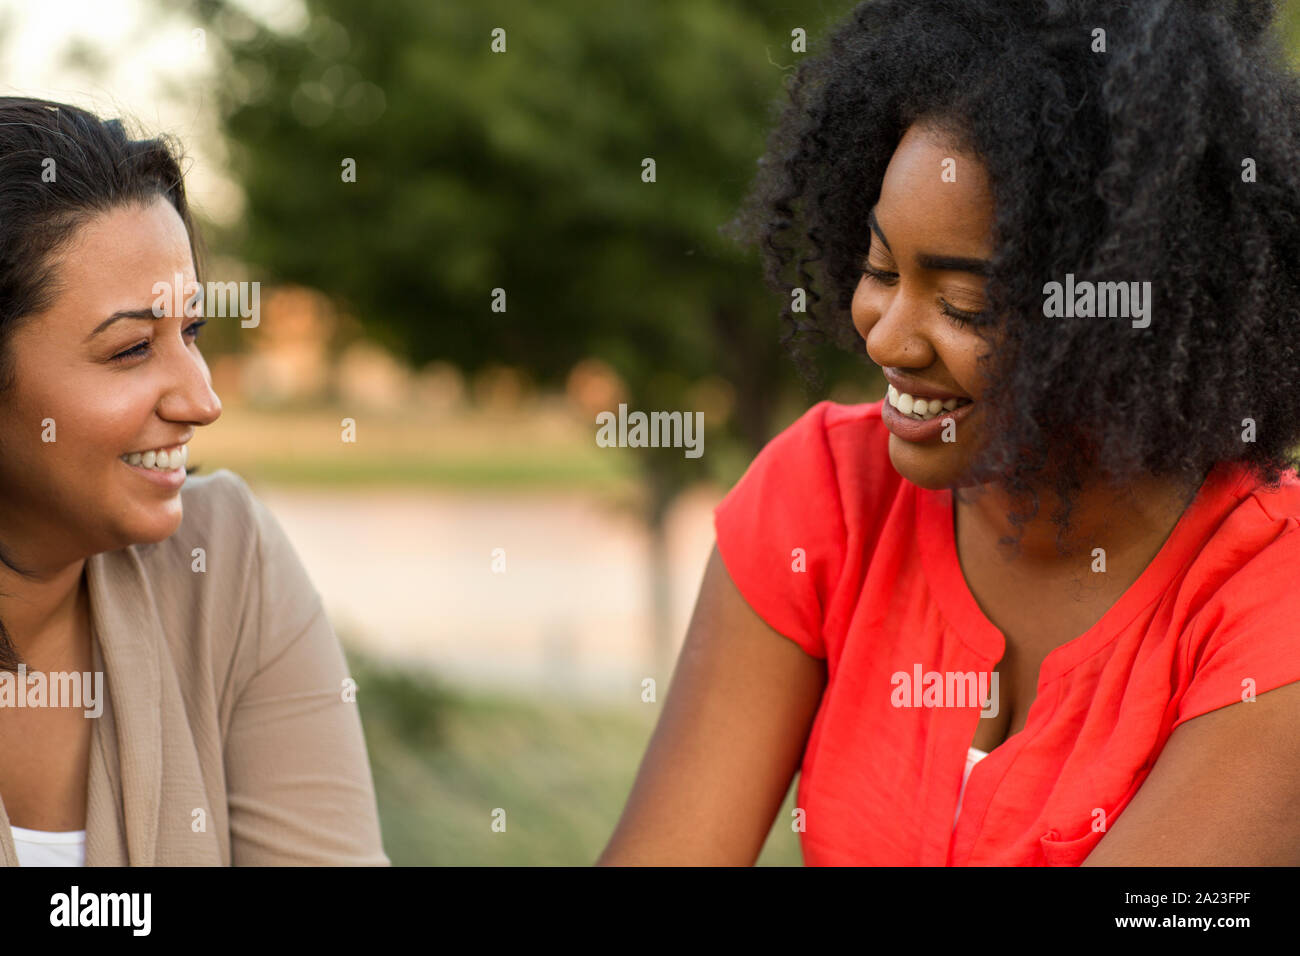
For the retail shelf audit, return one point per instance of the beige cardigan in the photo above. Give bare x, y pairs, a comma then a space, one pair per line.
226, 738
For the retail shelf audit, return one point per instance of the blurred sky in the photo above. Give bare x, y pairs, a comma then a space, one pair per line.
136, 58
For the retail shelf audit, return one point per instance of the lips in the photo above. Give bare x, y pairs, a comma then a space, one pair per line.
906, 384
923, 431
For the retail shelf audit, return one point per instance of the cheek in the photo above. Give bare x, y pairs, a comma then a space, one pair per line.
92, 417
961, 352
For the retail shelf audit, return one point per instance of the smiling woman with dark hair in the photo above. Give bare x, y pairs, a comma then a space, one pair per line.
223, 735
1036, 606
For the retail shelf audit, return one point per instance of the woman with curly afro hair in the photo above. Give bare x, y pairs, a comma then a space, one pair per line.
1037, 605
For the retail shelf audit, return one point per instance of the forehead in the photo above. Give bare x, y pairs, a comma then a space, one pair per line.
936, 196
115, 257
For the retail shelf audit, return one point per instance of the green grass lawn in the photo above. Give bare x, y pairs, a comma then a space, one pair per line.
444, 759
474, 450
501, 470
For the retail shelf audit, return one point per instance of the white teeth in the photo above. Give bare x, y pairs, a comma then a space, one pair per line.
165, 460
921, 409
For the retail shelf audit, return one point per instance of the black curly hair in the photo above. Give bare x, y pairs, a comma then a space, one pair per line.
1122, 165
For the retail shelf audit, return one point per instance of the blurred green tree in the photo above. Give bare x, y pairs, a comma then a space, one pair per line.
1289, 18
522, 170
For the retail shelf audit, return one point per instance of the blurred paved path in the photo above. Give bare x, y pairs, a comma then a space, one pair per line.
408, 575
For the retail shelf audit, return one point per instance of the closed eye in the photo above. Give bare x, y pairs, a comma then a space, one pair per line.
959, 317
887, 278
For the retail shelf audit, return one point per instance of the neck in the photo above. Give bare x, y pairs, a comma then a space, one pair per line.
43, 613
1128, 523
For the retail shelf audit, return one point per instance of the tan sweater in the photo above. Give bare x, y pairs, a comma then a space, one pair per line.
226, 738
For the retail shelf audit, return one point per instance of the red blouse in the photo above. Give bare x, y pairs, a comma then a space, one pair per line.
839, 553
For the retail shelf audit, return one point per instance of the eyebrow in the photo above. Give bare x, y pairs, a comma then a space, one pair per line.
926, 260
122, 314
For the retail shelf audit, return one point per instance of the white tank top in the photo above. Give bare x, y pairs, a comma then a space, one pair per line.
973, 756
49, 848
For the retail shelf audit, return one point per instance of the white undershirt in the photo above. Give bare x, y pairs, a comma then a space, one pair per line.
49, 848
973, 756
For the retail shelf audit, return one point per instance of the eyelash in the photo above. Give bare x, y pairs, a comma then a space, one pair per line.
958, 316
133, 352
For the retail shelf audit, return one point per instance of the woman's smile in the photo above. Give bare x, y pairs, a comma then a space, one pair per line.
911, 428
164, 467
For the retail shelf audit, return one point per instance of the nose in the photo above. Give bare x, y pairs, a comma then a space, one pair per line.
893, 327
189, 396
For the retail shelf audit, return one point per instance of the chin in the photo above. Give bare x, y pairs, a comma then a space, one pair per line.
157, 527
930, 467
